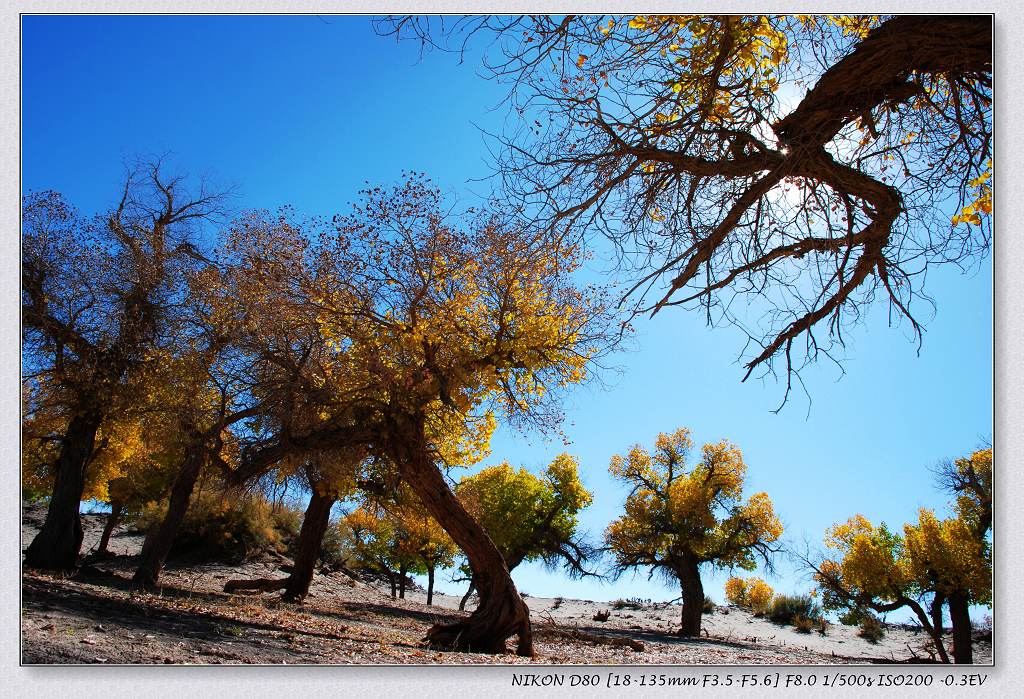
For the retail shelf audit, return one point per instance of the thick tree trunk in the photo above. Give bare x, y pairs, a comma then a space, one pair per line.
960, 619
402, 570
116, 508
158, 545
430, 585
465, 597
501, 612
693, 599
58, 543
307, 549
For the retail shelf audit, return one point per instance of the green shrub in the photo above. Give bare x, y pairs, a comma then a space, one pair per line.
785, 608
821, 625
852, 617
871, 628
229, 530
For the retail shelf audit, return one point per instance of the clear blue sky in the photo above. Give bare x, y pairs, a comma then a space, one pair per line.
303, 110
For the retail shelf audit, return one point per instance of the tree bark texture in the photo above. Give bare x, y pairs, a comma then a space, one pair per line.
58, 543
961, 622
501, 612
430, 585
307, 549
156, 548
693, 599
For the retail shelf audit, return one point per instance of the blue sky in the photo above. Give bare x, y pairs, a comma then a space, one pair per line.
303, 110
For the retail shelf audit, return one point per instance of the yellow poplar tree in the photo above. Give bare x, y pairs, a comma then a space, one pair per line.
681, 516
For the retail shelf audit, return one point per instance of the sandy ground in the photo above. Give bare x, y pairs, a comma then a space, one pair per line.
96, 617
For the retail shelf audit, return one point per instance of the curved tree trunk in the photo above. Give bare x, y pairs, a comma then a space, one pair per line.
430, 584
960, 619
465, 597
158, 545
501, 612
314, 524
693, 599
116, 508
58, 543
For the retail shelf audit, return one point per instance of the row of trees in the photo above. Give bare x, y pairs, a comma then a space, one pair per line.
377, 347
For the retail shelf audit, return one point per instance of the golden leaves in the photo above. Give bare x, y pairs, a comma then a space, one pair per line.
676, 508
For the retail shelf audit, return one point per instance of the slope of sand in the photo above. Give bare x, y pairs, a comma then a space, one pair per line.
96, 617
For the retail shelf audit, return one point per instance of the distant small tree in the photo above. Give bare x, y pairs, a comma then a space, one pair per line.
381, 546
749, 593
680, 517
531, 517
427, 541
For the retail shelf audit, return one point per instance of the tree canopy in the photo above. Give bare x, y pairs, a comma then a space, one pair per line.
531, 517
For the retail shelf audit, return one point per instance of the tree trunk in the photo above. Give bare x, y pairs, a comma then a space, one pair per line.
307, 549
430, 585
501, 612
693, 599
465, 597
402, 570
116, 508
58, 543
961, 622
394, 585
158, 545
936, 611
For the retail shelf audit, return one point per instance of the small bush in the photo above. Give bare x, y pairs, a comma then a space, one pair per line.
558, 602
785, 608
602, 615
230, 530
524, 594
802, 624
709, 605
852, 617
631, 603
871, 628
821, 625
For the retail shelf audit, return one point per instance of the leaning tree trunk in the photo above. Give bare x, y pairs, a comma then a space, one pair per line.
430, 584
158, 545
58, 543
693, 599
501, 612
314, 524
469, 593
116, 508
960, 619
